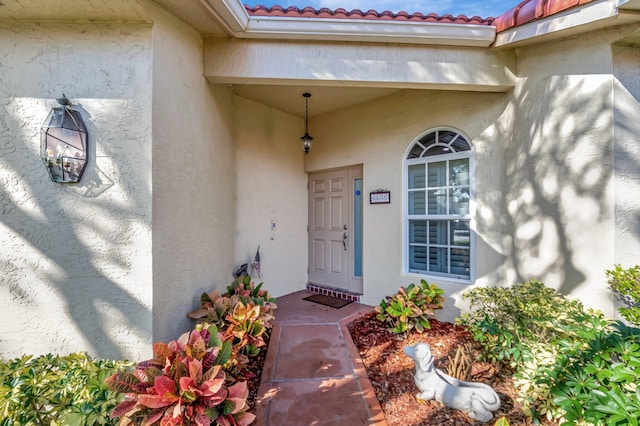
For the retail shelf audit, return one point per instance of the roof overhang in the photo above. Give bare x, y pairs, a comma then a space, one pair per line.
239, 24
286, 62
369, 31
590, 16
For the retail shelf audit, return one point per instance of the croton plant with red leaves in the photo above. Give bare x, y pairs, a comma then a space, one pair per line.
184, 384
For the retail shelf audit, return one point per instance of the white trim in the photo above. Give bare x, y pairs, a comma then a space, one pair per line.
472, 207
238, 23
369, 31
431, 130
434, 278
472, 212
230, 13
449, 156
597, 14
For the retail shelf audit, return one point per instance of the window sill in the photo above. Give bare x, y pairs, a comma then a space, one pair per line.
431, 277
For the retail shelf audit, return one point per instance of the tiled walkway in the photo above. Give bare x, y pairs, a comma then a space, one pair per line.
313, 374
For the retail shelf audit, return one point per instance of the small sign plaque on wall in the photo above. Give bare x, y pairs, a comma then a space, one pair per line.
380, 196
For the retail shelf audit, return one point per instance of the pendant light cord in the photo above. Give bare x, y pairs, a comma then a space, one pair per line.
306, 113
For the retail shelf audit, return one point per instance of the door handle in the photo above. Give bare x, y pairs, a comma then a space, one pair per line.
344, 241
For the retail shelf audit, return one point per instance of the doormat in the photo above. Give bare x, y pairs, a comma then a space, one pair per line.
334, 302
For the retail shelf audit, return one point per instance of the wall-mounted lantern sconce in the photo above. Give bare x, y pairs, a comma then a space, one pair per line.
63, 138
307, 140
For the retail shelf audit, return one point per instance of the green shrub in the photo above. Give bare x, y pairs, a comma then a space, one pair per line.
410, 308
57, 390
626, 285
570, 364
507, 320
599, 383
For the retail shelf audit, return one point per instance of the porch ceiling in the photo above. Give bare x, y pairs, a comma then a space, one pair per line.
323, 99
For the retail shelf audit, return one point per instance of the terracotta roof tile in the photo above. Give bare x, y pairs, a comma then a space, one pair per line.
526, 11
310, 12
530, 10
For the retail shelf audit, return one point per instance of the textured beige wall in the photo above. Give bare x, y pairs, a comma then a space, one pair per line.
74, 258
544, 175
359, 64
377, 135
82, 271
271, 187
626, 60
559, 169
193, 178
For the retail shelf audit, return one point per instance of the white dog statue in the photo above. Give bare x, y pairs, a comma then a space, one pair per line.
477, 399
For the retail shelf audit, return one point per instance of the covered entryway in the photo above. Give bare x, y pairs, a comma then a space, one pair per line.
335, 229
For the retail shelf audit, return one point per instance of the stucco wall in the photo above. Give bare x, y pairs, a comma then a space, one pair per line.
271, 187
107, 267
626, 61
559, 169
74, 258
544, 172
377, 135
193, 178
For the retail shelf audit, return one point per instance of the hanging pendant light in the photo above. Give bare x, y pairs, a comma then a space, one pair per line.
307, 140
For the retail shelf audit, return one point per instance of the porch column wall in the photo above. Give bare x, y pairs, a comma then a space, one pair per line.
193, 178
626, 62
271, 189
559, 169
626, 156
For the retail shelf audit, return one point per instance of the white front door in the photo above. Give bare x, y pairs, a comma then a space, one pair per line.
335, 228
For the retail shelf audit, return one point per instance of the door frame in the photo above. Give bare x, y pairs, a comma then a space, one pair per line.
354, 283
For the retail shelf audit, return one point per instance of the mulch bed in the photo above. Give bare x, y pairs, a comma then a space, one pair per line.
391, 373
254, 371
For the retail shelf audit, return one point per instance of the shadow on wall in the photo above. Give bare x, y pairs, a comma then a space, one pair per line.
627, 150
68, 244
556, 192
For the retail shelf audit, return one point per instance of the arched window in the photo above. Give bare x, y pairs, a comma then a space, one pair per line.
437, 205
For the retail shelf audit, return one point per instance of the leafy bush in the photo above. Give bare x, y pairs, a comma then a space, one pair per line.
502, 421
216, 308
183, 384
50, 389
243, 314
246, 325
410, 308
598, 384
570, 364
249, 292
626, 285
507, 320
